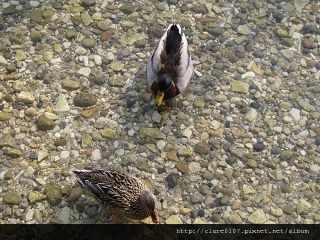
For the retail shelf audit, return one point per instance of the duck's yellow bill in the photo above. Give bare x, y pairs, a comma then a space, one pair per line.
159, 98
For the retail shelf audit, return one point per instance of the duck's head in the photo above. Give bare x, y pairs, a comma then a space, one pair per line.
148, 202
164, 83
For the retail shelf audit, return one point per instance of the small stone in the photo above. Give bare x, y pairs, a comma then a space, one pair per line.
57, 48
288, 209
34, 4
224, 200
84, 71
199, 103
12, 198
286, 155
36, 15
156, 117
257, 217
239, 87
29, 215
53, 192
88, 3
194, 167
9, 10
152, 133
256, 69
276, 175
96, 155
8, 175
45, 123
30, 112
286, 188
62, 104
187, 133
251, 115
196, 197
182, 167
252, 163
277, 212
172, 155
221, 98
84, 99
75, 194
174, 219
105, 36
200, 8
202, 148
287, 53
117, 66
64, 215
215, 31
36, 36
89, 113
88, 42
117, 81
86, 19
20, 55
303, 207
185, 151
208, 176
26, 97
199, 221
235, 218
70, 85
258, 147
243, 29
127, 8
172, 180
109, 133
34, 197
305, 105
5, 116
12, 152
48, 13
71, 33
64, 154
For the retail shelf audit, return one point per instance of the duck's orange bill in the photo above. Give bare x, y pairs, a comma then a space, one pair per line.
154, 216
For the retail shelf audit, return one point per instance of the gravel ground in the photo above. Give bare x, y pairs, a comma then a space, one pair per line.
242, 145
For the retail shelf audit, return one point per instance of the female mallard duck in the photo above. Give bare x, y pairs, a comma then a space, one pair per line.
170, 68
121, 194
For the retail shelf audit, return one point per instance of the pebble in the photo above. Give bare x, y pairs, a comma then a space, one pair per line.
257, 217
174, 219
62, 104
156, 117
194, 167
96, 155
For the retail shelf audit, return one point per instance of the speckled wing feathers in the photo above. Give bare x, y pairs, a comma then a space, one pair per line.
111, 187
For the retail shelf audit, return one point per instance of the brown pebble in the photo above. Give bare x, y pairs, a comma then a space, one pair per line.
105, 36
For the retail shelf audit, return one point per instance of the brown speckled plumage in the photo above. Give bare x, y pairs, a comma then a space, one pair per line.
121, 194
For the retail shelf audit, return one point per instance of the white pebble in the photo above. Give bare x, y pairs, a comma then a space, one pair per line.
97, 59
65, 154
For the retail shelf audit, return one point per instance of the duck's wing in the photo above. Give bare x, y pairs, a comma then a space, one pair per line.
112, 188
185, 67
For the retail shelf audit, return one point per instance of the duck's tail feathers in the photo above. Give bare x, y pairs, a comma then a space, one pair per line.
173, 40
79, 175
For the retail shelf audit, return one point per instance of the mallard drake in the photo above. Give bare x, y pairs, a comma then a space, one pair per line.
121, 194
170, 67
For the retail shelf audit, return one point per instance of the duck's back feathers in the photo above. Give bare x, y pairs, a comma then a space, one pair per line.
173, 40
111, 187
171, 57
